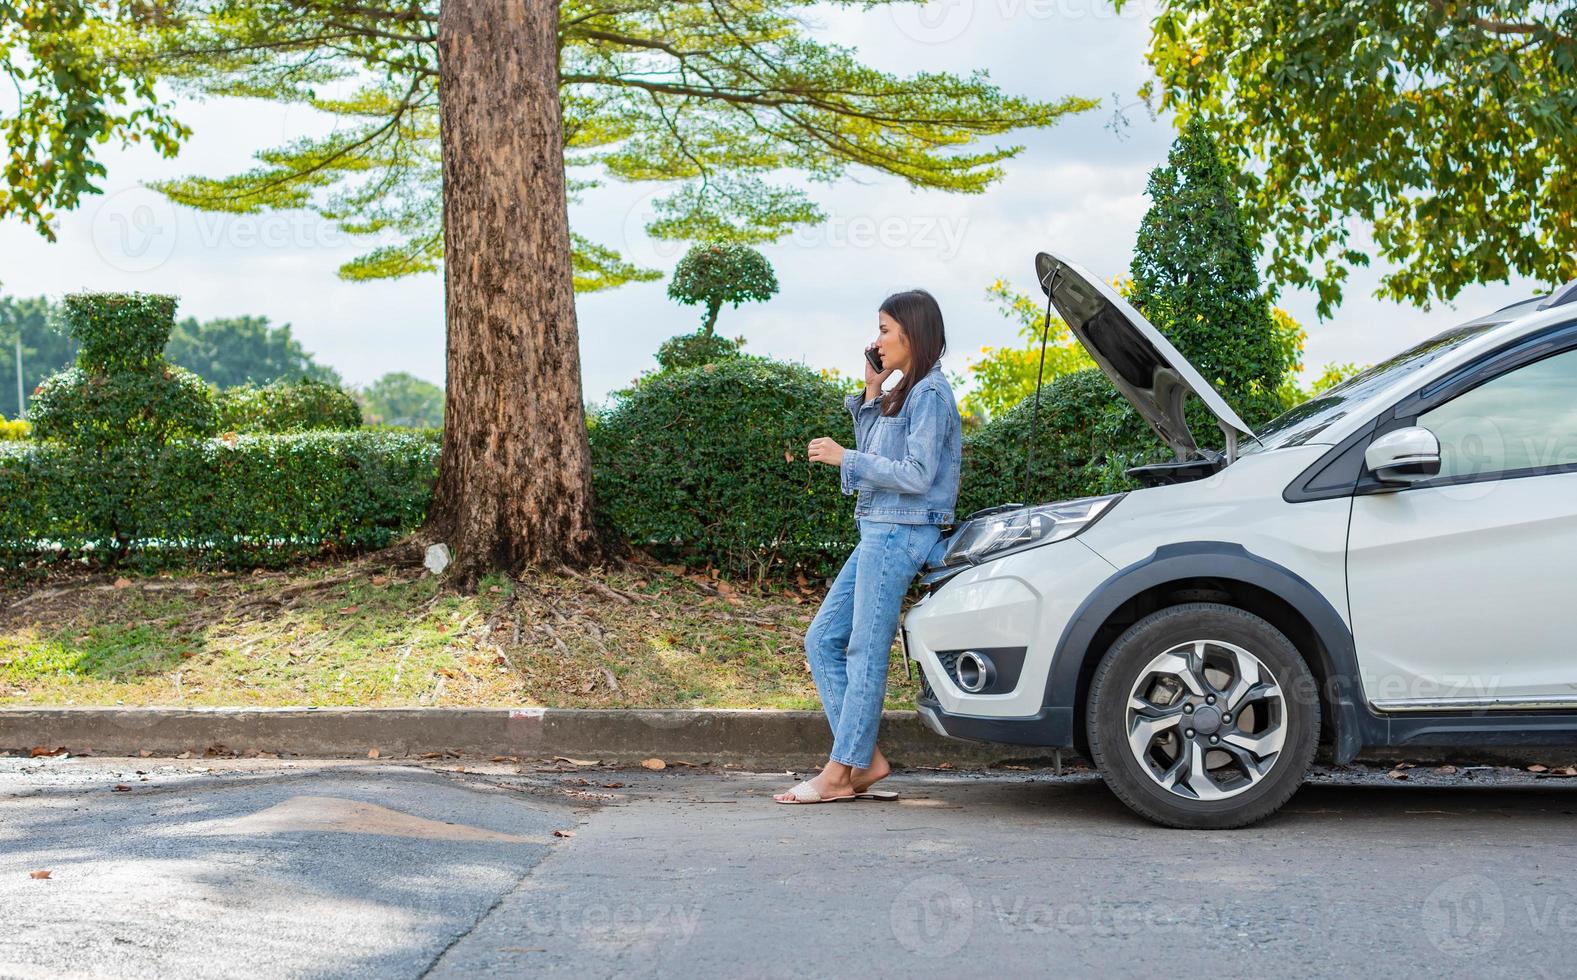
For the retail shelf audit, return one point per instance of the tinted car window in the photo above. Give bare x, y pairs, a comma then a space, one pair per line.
1522, 421
1302, 423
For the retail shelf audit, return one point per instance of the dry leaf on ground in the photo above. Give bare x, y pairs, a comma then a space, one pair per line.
654, 764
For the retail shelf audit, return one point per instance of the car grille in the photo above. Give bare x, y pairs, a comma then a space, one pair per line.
949, 660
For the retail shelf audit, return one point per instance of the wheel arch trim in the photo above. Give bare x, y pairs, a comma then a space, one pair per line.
1219, 560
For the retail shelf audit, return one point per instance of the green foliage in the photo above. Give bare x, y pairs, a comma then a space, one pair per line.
300, 406
93, 412
122, 390
1087, 435
403, 399
707, 466
45, 349
1449, 128
119, 332
696, 349
239, 502
720, 272
243, 350
1195, 278
735, 107
1007, 375
73, 92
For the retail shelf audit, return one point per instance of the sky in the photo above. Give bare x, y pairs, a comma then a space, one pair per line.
1076, 188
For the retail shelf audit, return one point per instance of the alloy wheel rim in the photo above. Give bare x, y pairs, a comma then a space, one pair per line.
1206, 720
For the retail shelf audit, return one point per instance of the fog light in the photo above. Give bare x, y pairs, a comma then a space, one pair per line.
974, 672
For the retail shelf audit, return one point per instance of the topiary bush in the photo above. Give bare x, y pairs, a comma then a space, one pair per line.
94, 411
238, 501
122, 390
306, 405
119, 332
696, 349
707, 466
715, 273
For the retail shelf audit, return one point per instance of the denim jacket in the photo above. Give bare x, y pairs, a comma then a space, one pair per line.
906, 467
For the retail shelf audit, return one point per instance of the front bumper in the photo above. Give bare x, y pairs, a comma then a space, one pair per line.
1052, 727
1013, 610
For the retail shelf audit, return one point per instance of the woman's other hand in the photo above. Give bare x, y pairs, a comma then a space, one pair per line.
824, 450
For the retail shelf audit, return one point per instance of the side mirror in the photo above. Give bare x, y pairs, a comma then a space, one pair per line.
1404, 456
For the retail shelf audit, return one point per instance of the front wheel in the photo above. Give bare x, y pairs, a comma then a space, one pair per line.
1203, 716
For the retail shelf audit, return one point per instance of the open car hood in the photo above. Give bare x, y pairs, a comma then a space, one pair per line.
1141, 362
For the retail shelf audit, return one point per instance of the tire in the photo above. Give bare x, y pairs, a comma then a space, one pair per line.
1161, 728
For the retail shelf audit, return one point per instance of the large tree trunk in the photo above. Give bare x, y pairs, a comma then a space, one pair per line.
514, 483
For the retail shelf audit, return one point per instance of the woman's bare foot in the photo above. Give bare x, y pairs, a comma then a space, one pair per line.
878, 770
835, 780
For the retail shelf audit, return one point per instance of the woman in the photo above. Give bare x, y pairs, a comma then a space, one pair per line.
906, 469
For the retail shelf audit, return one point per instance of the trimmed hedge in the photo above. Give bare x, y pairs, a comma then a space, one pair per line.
96, 412
696, 349
706, 465
241, 501
119, 333
122, 390
287, 406
1087, 435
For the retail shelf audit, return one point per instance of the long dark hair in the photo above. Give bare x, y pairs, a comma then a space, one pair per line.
920, 319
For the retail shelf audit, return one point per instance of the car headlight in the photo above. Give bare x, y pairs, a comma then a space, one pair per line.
995, 533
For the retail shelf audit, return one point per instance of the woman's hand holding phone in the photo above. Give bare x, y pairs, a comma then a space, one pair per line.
874, 378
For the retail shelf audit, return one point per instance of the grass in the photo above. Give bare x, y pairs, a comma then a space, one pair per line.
373, 634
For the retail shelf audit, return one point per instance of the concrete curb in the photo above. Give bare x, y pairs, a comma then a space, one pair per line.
761, 739
748, 738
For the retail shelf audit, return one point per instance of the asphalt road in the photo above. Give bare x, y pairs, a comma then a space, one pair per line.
261, 868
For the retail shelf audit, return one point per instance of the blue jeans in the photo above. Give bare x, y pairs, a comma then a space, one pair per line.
851, 638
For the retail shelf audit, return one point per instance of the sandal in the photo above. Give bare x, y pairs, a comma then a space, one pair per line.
806, 793
877, 794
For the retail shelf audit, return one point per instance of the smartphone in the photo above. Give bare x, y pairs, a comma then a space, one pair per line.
875, 357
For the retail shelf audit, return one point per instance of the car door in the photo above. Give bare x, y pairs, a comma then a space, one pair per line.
1462, 588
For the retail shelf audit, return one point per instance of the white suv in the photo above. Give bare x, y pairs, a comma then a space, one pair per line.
1385, 565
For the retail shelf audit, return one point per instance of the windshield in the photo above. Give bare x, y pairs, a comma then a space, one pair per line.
1302, 423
